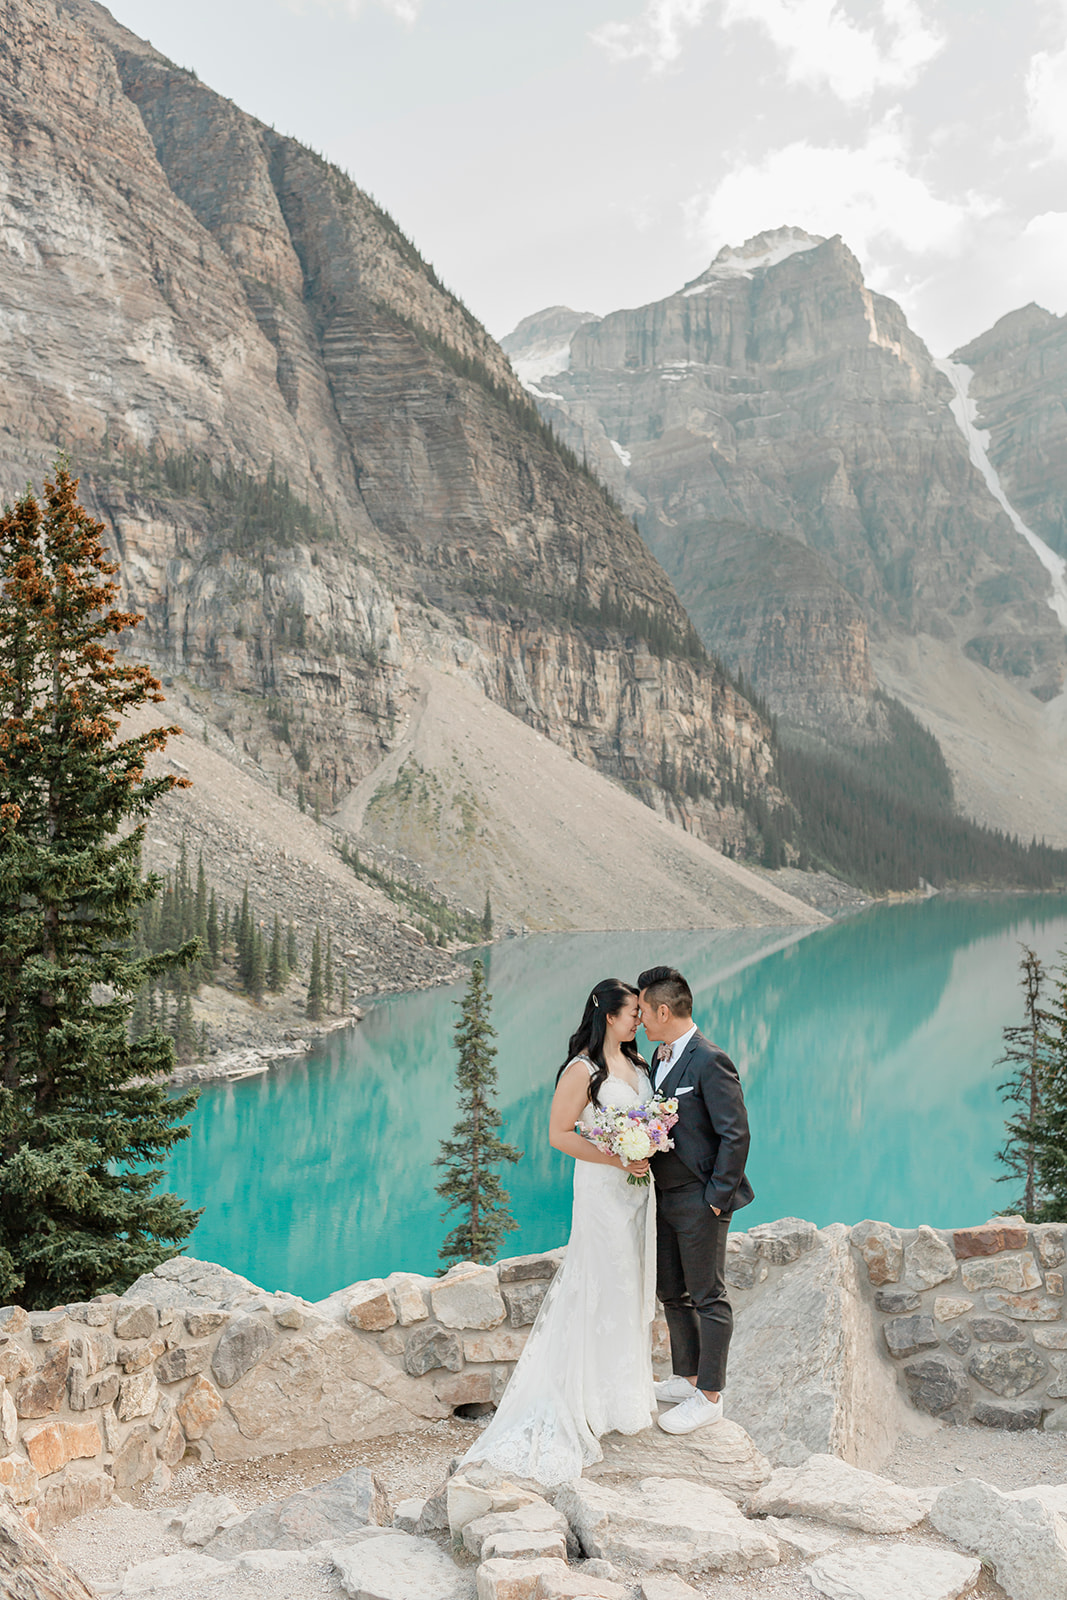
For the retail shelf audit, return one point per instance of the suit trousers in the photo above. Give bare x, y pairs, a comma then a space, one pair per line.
691, 1283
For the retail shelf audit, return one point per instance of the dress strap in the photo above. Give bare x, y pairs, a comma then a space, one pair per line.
586, 1063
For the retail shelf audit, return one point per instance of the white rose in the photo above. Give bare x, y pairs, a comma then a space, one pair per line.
635, 1145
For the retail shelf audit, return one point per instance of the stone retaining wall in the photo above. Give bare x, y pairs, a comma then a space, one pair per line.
837, 1330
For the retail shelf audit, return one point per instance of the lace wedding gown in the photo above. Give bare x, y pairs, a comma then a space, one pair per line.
586, 1369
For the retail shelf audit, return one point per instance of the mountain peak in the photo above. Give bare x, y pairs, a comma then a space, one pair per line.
763, 250
540, 345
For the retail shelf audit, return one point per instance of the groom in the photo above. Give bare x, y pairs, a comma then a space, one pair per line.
699, 1184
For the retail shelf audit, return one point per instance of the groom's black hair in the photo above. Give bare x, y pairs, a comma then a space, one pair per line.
665, 986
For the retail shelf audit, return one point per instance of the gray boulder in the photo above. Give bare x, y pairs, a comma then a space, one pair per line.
893, 1572
723, 1456
1022, 1540
397, 1566
327, 1511
665, 1523
928, 1260
832, 1491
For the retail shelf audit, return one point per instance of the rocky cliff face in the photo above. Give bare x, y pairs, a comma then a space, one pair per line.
318, 467
1020, 385
787, 445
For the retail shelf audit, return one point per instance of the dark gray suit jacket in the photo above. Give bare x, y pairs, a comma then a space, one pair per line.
711, 1135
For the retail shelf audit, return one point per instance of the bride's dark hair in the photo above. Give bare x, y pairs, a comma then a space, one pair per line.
607, 998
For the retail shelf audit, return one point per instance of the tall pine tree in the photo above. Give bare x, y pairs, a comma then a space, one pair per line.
1050, 1132
1026, 1051
471, 1186
85, 1116
315, 1006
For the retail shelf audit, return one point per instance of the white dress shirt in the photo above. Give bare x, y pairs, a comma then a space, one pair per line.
674, 1051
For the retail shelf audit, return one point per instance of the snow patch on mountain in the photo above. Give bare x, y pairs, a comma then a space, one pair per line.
623, 454
965, 411
763, 250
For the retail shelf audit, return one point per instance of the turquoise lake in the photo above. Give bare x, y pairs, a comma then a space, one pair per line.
867, 1051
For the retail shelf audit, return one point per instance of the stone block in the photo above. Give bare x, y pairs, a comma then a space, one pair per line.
959, 1339
1013, 1419
881, 1249
463, 1388
1014, 1273
1057, 1389
138, 1396
199, 1407
138, 1321
91, 1394
18, 1479
1051, 1338
336, 1509
1021, 1540
928, 1260
989, 1239
745, 1269
897, 1301
170, 1448
666, 1586
135, 1461
371, 1307
137, 1357
785, 1240
407, 1516
15, 1363
937, 1385
997, 1330
534, 1580
523, 1301
287, 1312
478, 1491
1051, 1242
205, 1516
538, 1517
468, 1297
9, 1420
92, 1351
198, 1324
798, 1536
1054, 1282
906, 1336
832, 1491
430, 1346
92, 1312
47, 1326
244, 1341
42, 1392
398, 1566
1007, 1371
408, 1291
51, 1445
184, 1361
75, 1496
1056, 1421
520, 1269
500, 1344
181, 1574
525, 1546
947, 1307
891, 1572
725, 1457
665, 1523
1024, 1307
12, 1320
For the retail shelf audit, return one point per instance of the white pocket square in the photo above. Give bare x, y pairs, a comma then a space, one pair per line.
687, 1090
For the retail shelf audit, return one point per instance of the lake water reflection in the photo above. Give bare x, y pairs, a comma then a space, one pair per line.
866, 1050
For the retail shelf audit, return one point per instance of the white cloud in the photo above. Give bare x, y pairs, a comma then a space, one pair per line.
1046, 99
869, 195
820, 43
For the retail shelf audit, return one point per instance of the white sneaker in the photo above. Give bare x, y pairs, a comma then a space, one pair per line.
674, 1388
696, 1412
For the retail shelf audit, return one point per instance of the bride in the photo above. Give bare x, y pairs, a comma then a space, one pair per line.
586, 1369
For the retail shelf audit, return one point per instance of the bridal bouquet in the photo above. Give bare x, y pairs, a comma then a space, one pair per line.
633, 1134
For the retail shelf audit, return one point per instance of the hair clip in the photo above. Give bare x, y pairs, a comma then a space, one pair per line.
595, 1001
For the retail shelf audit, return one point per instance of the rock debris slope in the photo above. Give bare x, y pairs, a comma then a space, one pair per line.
319, 469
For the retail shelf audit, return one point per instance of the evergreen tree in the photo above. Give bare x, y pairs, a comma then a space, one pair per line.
292, 954
475, 1148
1050, 1132
184, 1029
487, 918
244, 942
277, 967
257, 966
200, 906
314, 1005
318, 808
1026, 1052
85, 1116
214, 933
327, 977
344, 992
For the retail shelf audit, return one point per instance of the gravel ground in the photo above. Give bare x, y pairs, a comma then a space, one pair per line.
101, 1547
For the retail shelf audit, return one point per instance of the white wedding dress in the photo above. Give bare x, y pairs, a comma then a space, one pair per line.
586, 1369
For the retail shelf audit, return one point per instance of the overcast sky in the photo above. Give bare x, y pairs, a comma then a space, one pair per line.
597, 153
